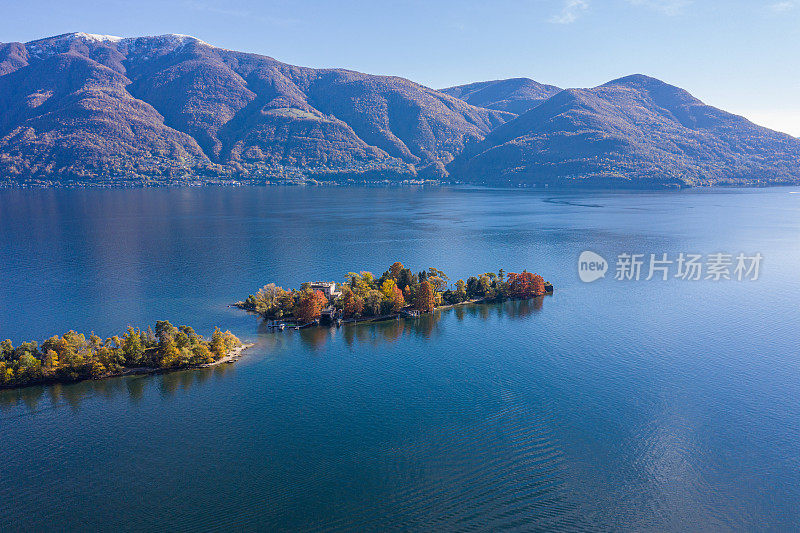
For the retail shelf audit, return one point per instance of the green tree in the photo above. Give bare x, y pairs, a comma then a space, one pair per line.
405, 279
28, 369
6, 349
133, 347
373, 301
461, 291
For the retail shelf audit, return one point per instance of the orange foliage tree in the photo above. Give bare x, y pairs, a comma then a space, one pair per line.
393, 295
352, 304
525, 285
395, 270
425, 299
538, 285
310, 305
398, 301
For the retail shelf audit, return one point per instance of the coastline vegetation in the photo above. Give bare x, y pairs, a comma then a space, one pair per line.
396, 291
74, 357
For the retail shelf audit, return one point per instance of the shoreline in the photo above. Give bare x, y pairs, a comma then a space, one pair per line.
233, 356
476, 301
291, 324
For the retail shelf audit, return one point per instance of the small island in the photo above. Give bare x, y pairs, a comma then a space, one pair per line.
397, 292
74, 357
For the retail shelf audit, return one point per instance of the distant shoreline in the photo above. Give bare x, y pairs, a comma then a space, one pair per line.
197, 183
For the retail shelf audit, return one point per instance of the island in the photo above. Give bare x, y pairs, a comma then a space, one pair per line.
74, 357
397, 292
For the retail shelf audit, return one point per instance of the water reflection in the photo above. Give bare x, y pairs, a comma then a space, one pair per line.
167, 385
135, 387
388, 331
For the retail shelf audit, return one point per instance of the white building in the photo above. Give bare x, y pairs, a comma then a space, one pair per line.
328, 288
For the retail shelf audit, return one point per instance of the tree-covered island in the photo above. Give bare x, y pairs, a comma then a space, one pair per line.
74, 357
397, 292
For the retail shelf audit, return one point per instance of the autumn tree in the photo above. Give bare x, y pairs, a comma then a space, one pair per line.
368, 278
352, 304
217, 347
201, 354
398, 301
267, 298
50, 363
460, 293
286, 302
132, 346
28, 368
361, 283
436, 273
73, 356
221, 344
525, 285
395, 270
538, 285
517, 284
393, 295
310, 305
373, 301
169, 355
388, 287
6, 350
424, 299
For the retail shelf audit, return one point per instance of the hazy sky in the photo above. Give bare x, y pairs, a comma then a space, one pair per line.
742, 56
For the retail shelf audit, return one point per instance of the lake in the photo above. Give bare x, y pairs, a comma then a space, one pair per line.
615, 405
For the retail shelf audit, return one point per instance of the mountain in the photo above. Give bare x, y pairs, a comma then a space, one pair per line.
96, 109
515, 95
84, 107
635, 131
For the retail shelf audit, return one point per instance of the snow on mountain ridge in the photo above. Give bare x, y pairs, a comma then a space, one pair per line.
41, 48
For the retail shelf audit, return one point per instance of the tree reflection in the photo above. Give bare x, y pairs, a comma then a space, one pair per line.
390, 331
271, 341
133, 386
517, 309
315, 338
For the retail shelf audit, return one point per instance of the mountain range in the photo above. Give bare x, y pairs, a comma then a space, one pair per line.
93, 109
515, 95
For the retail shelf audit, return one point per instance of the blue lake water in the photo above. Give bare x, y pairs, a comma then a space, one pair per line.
615, 405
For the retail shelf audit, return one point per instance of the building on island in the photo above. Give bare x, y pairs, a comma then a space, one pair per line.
328, 288
328, 315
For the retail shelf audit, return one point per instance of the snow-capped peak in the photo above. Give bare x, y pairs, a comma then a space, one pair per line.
74, 36
97, 38
61, 43
168, 38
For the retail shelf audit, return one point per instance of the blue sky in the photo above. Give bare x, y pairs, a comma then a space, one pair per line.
743, 56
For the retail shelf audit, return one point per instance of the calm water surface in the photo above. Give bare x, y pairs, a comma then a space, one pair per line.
661, 405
